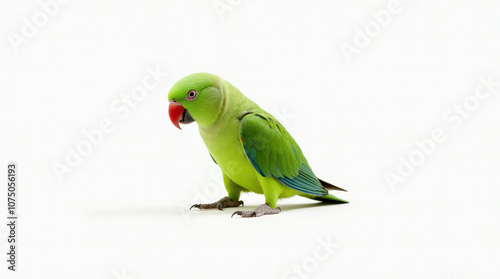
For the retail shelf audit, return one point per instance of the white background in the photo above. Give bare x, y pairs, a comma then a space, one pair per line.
123, 211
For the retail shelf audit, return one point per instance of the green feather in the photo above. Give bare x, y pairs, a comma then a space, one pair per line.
273, 152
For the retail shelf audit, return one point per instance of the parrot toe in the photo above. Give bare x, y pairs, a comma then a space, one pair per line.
220, 204
264, 209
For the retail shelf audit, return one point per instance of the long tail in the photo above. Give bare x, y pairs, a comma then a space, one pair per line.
329, 186
328, 198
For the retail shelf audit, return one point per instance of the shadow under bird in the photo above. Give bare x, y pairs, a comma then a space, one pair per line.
254, 151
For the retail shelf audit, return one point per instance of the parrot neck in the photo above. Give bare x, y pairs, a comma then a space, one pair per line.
234, 105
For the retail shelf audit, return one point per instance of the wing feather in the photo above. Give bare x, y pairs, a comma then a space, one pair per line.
274, 153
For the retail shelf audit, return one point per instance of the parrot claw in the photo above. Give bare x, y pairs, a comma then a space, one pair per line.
236, 212
264, 209
195, 205
221, 204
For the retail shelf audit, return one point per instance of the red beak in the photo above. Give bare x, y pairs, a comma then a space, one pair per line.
175, 111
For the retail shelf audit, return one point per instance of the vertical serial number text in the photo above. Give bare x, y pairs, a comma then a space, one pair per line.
11, 216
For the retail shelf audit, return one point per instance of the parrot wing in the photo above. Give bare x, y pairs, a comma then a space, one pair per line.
274, 153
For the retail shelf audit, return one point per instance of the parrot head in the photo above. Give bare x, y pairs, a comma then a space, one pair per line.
197, 97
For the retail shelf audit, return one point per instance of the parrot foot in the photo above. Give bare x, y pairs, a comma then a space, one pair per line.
220, 204
264, 209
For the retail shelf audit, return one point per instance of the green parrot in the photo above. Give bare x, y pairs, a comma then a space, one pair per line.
254, 151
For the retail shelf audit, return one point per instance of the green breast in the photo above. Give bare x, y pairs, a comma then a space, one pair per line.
225, 147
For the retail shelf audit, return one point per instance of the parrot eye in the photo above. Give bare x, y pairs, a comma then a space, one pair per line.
191, 95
